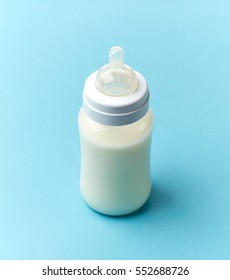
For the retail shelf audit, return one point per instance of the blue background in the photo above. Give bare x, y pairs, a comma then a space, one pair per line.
47, 49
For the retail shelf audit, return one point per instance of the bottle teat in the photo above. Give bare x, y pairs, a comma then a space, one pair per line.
116, 78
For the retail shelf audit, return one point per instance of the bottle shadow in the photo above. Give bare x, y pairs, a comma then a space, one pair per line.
159, 198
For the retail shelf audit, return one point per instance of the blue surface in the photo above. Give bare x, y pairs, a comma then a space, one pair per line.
47, 49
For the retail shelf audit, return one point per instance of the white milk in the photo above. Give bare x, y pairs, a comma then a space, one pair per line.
115, 142
115, 167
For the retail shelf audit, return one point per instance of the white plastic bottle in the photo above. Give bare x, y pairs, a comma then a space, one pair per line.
115, 126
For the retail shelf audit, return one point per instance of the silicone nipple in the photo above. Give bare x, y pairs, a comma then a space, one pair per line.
116, 78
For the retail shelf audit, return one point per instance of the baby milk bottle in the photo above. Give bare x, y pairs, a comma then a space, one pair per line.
115, 124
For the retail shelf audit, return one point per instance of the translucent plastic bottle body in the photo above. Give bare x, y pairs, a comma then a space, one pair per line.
115, 164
